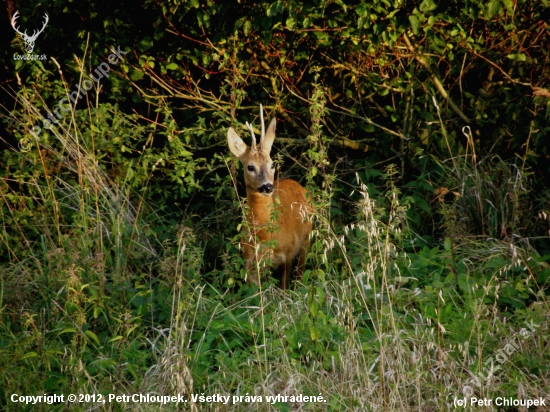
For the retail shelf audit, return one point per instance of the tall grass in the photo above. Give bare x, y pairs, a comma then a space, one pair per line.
93, 302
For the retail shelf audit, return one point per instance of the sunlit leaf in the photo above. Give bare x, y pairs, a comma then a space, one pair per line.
415, 23
518, 57
492, 8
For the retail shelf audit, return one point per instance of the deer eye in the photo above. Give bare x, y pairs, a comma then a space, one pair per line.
250, 168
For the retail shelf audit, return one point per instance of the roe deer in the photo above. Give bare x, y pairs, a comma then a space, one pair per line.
284, 199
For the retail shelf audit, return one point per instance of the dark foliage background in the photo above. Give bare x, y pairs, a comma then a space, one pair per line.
419, 127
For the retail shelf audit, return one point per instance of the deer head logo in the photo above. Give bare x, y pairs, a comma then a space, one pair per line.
29, 40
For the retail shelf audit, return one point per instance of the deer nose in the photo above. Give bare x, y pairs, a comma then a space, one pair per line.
266, 189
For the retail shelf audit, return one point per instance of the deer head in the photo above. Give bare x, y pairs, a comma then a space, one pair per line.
259, 169
29, 40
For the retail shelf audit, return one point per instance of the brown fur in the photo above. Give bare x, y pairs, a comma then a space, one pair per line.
287, 204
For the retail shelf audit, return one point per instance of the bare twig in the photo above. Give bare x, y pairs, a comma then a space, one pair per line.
436, 81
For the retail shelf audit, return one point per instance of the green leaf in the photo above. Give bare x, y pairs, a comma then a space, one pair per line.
136, 75
429, 311
246, 28
362, 10
428, 6
518, 57
275, 8
322, 38
92, 336
313, 307
393, 13
115, 339
492, 8
172, 66
314, 333
422, 204
133, 371
341, 4
146, 43
415, 23
291, 23
509, 4
383, 91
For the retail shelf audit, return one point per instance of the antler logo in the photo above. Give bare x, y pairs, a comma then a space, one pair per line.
29, 40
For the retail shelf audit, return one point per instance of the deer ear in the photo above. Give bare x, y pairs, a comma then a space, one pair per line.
269, 136
235, 143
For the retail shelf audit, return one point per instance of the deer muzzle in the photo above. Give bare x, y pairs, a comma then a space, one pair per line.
266, 189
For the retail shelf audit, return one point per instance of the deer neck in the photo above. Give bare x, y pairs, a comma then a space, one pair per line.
260, 208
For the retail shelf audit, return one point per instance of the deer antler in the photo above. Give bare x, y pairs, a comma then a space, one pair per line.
263, 124
14, 21
249, 127
29, 40
25, 36
37, 32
